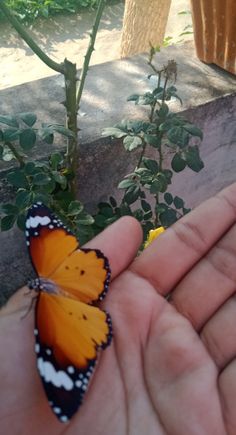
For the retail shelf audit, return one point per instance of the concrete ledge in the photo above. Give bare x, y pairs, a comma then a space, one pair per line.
209, 100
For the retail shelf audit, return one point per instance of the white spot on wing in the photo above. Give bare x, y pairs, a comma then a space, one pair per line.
37, 348
57, 410
49, 374
78, 384
64, 418
35, 221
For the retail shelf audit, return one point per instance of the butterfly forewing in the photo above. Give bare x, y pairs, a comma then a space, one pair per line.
48, 240
68, 332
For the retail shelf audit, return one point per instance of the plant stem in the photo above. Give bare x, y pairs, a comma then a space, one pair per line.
141, 155
16, 154
71, 117
90, 49
164, 90
27, 38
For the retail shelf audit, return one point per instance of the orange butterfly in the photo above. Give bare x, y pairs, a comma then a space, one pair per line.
69, 329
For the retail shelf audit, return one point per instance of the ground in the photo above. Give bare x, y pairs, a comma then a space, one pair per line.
67, 36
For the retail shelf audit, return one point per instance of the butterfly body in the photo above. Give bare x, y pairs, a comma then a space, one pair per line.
69, 329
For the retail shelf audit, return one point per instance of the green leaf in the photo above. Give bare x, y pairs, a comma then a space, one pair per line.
21, 221
48, 187
125, 210
168, 217
153, 140
75, 208
138, 214
168, 198
145, 206
168, 175
146, 99
152, 165
147, 226
60, 179
7, 222
163, 111
9, 209
177, 163
125, 184
159, 184
11, 134
113, 131
49, 138
133, 97
178, 202
1, 151
41, 179
85, 219
18, 179
63, 130
56, 159
178, 136
186, 210
11, 121
193, 130
161, 207
147, 215
29, 168
23, 199
193, 159
27, 139
28, 118
132, 142
131, 195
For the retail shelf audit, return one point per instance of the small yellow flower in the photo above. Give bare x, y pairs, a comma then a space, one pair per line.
152, 235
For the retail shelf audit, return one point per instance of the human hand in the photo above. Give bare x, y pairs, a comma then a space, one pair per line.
171, 366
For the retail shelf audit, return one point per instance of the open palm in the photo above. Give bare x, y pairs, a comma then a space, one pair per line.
171, 366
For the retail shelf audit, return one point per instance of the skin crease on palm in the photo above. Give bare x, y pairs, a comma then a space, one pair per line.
171, 367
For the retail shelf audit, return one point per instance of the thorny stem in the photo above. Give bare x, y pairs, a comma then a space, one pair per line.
90, 50
142, 154
16, 154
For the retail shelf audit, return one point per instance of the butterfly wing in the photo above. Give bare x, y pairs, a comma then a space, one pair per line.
85, 274
68, 336
79, 273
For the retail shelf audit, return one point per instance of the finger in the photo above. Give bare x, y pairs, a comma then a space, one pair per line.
210, 283
177, 250
227, 388
119, 243
219, 334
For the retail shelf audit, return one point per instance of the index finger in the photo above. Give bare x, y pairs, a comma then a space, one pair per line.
168, 259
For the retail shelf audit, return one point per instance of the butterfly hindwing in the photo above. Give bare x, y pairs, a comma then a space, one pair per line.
68, 337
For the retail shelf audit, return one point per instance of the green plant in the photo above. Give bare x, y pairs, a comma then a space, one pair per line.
46, 180
163, 135
168, 138
28, 11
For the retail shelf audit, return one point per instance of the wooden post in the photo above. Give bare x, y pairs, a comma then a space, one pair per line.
144, 23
